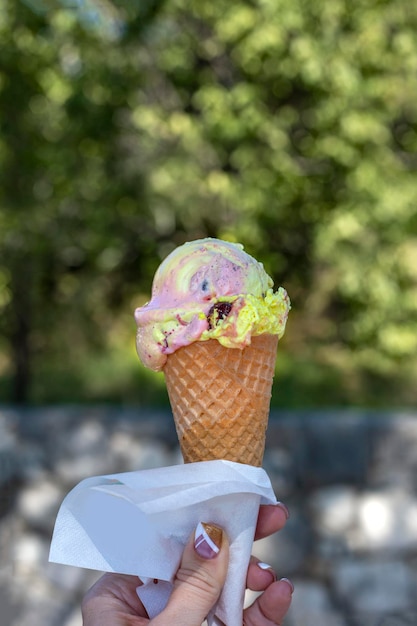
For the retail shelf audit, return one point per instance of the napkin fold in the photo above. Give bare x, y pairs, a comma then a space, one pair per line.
139, 522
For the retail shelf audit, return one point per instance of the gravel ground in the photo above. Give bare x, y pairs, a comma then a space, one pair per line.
349, 479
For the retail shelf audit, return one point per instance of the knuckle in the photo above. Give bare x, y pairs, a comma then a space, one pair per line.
199, 579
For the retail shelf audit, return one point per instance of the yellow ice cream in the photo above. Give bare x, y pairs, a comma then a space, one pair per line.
208, 289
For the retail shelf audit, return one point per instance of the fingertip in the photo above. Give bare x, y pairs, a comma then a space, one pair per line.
273, 604
260, 575
271, 519
286, 587
283, 507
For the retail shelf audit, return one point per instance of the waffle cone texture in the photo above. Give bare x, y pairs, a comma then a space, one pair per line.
220, 398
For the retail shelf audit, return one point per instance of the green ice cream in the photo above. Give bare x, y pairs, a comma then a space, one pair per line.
208, 289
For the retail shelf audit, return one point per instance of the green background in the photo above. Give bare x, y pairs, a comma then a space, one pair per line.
127, 128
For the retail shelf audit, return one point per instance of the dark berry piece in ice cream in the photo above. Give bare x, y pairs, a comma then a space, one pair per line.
218, 312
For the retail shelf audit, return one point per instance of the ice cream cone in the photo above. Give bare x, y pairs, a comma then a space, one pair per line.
220, 398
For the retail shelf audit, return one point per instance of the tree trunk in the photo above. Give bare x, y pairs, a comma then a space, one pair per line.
20, 332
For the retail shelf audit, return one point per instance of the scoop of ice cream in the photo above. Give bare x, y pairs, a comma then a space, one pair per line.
208, 289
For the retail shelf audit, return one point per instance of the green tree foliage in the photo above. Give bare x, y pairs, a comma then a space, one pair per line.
72, 211
291, 126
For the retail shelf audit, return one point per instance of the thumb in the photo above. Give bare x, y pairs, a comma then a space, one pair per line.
199, 579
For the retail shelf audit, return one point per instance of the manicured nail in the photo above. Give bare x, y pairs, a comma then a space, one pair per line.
289, 583
264, 565
284, 508
208, 540
268, 568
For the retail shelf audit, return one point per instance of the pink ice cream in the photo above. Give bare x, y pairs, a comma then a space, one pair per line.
208, 289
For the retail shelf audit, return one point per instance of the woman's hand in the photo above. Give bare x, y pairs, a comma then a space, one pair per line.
113, 600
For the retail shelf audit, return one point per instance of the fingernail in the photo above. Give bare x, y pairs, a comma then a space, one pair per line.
289, 583
264, 565
208, 540
284, 508
267, 567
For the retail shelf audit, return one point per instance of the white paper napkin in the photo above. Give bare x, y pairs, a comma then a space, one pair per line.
139, 522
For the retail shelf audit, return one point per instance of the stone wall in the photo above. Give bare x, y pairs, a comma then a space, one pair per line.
348, 477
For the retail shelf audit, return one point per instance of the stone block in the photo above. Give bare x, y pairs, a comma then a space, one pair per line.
311, 605
386, 521
38, 504
335, 451
375, 587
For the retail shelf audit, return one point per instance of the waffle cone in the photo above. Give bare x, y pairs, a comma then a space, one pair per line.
220, 399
